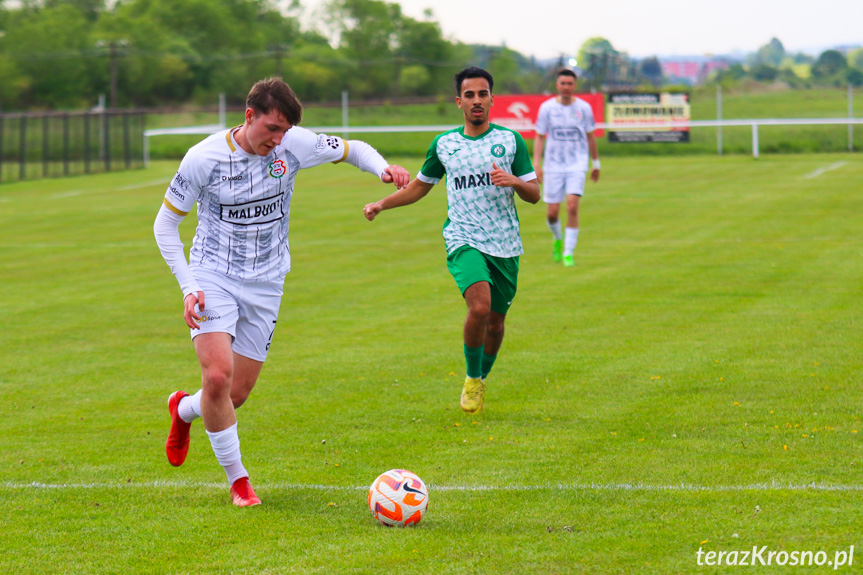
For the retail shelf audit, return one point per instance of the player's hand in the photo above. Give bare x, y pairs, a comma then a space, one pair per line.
594, 175
372, 210
502, 179
397, 175
538, 174
190, 315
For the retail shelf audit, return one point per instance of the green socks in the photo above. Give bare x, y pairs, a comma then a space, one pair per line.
474, 359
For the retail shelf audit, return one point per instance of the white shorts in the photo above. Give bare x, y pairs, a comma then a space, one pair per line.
557, 185
246, 310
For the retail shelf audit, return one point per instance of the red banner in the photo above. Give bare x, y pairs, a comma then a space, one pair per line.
519, 112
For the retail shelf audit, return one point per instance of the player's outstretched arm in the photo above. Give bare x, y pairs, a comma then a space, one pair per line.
413, 192
527, 191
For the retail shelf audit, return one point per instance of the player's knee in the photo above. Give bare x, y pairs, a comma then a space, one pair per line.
480, 310
217, 382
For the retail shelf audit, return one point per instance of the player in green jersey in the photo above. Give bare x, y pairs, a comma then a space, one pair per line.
485, 166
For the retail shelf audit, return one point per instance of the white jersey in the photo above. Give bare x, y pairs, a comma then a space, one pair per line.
566, 129
244, 200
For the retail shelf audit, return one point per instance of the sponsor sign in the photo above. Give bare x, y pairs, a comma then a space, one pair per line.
251, 213
626, 111
519, 112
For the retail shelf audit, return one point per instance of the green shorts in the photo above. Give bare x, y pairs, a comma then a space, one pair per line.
468, 265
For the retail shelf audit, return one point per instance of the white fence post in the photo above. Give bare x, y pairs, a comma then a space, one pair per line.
850, 115
345, 133
755, 140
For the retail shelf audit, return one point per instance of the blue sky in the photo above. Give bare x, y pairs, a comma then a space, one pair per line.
547, 28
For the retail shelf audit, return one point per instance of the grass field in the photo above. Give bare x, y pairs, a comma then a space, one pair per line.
765, 103
693, 383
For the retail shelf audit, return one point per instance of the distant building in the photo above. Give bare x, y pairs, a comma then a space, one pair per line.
691, 69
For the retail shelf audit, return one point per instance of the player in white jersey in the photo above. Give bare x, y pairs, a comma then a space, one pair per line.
485, 167
564, 142
242, 181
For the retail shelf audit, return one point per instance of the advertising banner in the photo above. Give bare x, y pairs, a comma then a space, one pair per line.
630, 110
519, 112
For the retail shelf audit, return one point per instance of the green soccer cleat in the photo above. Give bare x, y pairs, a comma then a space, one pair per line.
557, 254
567, 261
472, 395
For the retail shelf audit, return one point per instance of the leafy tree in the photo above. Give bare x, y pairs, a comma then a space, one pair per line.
771, 54
764, 73
651, 69
855, 59
829, 63
46, 44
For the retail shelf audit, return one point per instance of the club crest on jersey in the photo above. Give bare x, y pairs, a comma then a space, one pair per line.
277, 169
498, 150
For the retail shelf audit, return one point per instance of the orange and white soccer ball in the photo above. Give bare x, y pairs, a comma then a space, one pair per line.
398, 498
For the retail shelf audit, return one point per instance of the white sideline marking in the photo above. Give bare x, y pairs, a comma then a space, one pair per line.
72, 193
820, 171
682, 487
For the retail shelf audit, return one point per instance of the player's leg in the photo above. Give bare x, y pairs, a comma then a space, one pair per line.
220, 419
504, 273
478, 300
552, 195
219, 317
574, 191
470, 271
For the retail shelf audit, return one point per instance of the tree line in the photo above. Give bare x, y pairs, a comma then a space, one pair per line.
60, 54
64, 54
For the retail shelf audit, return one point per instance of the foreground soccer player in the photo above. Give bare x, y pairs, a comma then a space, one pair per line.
564, 139
242, 180
485, 167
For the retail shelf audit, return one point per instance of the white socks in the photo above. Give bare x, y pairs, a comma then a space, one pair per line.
226, 446
570, 241
190, 407
555, 229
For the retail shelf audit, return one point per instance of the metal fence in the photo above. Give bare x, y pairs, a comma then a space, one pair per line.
55, 144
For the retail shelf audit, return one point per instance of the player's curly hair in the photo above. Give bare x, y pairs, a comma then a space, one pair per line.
275, 94
472, 72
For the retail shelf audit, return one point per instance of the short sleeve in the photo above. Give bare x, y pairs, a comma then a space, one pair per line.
521, 164
433, 170
313, 149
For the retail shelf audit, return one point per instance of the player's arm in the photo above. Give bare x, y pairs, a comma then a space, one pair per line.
538, 149
413, 192
166, 228
179, 200
527, 190
363, 156
594, 156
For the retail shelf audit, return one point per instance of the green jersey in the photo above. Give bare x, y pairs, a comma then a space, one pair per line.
480, 214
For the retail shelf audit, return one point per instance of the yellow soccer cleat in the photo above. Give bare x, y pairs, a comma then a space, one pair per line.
472, 395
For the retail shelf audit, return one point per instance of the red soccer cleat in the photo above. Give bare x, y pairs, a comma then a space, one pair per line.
177, 445
243, 494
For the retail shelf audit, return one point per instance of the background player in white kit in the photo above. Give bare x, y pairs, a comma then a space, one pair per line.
242, 181
564, 132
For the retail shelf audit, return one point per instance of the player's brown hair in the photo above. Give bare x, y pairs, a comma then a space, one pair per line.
275, 94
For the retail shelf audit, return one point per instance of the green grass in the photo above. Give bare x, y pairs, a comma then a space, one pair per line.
741, 104
693, 382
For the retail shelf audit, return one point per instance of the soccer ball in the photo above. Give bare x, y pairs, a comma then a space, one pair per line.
398, 498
